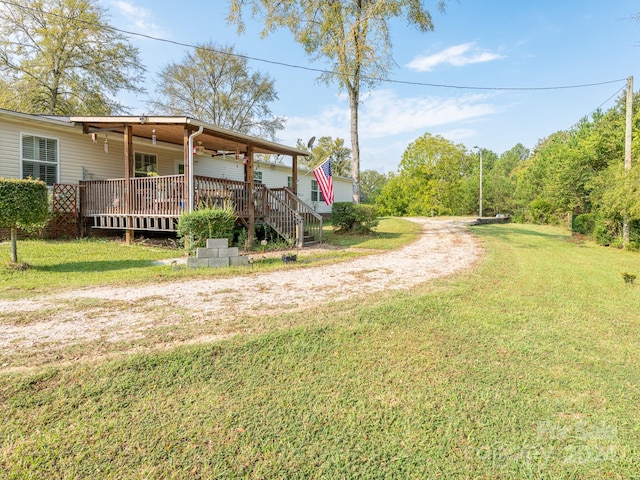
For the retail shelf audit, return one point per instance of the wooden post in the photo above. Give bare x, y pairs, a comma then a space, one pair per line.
185, 182
252, 197
294, 174
627, 152
185, 185
128, 173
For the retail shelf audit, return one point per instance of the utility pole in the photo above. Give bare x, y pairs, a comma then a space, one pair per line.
480, 199
627, 152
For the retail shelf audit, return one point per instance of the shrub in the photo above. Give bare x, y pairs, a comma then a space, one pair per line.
584, 223
207, 223
348, 217
23, 204
540, 211
605, 231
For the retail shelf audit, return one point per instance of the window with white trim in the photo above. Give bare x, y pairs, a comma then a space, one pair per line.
316, 195
290, 181
40, 158
257, 177
146, 163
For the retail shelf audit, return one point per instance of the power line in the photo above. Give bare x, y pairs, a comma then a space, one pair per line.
318, 70
598, 107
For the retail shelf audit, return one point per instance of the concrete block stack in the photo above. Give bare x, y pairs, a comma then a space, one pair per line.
217, 253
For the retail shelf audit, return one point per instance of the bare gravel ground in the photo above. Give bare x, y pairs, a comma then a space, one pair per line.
120, 313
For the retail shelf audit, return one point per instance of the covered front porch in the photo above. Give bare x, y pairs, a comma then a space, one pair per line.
156, 202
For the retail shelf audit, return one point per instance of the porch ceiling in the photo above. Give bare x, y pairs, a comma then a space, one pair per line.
171, 130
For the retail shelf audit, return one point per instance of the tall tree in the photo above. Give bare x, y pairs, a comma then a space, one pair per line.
327, 147
352, 34
214, 84
371, 184
61, 57
431, 179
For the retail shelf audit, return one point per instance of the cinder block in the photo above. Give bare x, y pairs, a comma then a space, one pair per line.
219, 262
238, 261
233, 251
207, 252
193, 262
218, 243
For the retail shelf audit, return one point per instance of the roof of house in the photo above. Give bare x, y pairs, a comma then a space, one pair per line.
175, 129
169, 129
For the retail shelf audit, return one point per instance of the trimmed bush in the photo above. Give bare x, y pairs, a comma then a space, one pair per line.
540, 212
348, 217
605, 231
584, 223
24, 204
207, 223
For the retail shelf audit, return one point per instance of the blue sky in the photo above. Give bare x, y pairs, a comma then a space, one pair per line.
501, 43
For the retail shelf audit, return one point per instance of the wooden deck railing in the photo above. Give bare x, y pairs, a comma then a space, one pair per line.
165, 197
282, 218
311, 219
216, 192
157, 196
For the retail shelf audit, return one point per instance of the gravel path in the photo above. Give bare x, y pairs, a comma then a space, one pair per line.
443, 247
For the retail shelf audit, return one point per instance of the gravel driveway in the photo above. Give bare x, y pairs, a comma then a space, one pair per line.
443, 247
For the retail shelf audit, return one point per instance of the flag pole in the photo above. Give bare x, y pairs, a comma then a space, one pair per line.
311, 171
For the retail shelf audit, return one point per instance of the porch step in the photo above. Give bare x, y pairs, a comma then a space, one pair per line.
308, 240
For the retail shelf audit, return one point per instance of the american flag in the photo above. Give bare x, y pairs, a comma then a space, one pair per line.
325, 181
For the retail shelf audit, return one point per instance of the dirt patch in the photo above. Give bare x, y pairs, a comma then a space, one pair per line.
443, 248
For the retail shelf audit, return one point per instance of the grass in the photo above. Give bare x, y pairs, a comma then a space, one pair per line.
392, 233
525, 367
57, 265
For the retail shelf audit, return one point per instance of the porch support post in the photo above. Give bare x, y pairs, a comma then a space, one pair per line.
185, 181
128, 173
252, 204
185, 185
294, 174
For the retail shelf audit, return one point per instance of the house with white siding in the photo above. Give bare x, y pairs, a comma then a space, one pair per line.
141, 173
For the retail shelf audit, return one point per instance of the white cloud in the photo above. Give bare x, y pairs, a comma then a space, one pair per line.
140, 19
388, 123
457, 56
383, 113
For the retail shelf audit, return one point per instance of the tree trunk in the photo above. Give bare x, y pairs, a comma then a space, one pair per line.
355, 146
14, 244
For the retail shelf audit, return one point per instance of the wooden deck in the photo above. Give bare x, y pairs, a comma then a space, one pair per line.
156, 203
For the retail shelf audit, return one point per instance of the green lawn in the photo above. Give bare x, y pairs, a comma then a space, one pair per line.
526, 367
55, 265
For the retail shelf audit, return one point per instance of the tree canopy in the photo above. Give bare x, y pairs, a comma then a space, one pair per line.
327, 147
353, 36
60, 57
575, 175
215, 84
430, 179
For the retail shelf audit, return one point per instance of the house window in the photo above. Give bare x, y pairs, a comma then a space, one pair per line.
290, 182
40, 158
257, 177
316, 195
146, 163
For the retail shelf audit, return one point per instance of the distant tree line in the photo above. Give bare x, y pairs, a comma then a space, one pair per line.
575, 176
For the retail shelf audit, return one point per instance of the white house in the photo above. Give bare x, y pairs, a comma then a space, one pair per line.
141, 173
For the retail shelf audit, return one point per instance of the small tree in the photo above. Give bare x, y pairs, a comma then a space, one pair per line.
215, 84
23, 204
